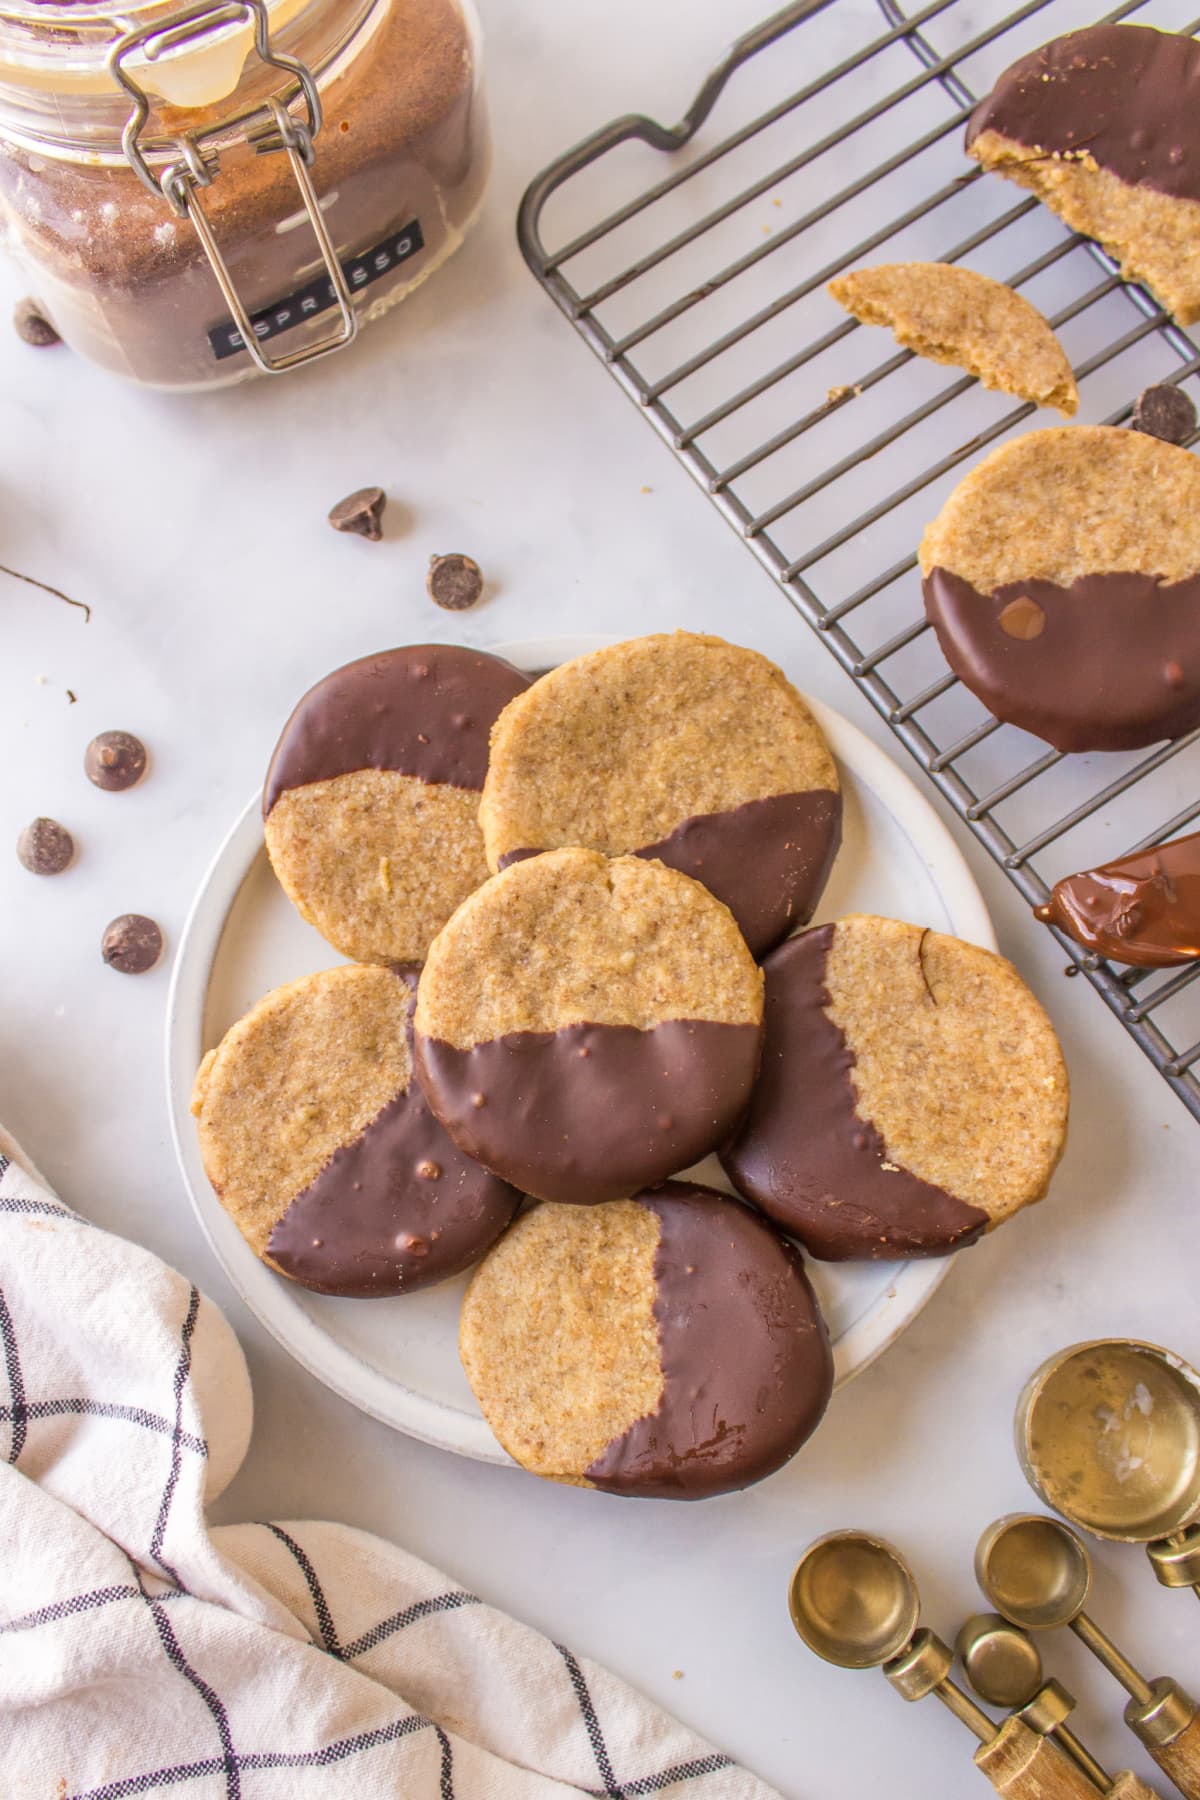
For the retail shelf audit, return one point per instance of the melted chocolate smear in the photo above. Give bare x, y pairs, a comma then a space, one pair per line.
768, 860
1143, 910
1126, 94
1114, 666
746, 1361
804, 1154
592, 1112
400, 1208
424, 711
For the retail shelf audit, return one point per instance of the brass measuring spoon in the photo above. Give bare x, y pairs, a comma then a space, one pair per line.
1037, 1574
1004, 1667
854, 1601
1108, 1434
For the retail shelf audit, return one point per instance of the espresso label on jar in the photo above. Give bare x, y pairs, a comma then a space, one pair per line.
360, 271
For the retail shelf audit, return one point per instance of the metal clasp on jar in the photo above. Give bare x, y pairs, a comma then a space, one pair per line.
269, 128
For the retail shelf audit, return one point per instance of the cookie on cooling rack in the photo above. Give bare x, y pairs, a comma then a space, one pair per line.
323, 1152
667, 1345
586, 1027
371, 801
1102, 125
954, 315
913, 1093
677, 747
1062, 577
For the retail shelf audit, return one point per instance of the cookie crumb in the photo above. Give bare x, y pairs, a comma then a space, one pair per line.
677, 1674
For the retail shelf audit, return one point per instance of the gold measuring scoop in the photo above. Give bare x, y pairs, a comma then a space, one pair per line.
1108, 1434
1005, 1668
1037, 1574
854, 1601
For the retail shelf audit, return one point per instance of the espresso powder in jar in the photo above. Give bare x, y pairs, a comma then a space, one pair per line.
404, 144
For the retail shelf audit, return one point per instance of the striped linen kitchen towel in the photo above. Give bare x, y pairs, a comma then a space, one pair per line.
143, 1652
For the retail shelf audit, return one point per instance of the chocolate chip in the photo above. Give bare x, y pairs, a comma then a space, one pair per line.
1022, 618
115, 760
1165, 412
131, 944
33, 326
454, 582
45, 847
360, 512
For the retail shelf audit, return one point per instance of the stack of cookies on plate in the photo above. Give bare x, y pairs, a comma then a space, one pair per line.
573, 909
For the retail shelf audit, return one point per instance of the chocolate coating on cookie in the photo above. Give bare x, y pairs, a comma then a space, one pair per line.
400, 1208
586, 1113
804, 1153
1142, 910
747, 1367
768, 860
424, 711
1125, 95
390, 1209
1111, 662
677, 748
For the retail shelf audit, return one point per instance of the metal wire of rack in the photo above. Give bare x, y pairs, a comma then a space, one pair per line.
703, 292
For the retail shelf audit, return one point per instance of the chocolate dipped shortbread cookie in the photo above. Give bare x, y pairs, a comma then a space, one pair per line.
913, 1094
586, 1027
667, 1345
322, 1150
1103, 125
1062, 577
954, 315
680, 748
371, 801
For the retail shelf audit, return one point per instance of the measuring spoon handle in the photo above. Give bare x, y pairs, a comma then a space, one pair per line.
1180, 1760
1022, 1765
1128, 1786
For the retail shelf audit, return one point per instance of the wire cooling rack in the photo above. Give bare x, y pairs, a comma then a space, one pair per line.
824, 447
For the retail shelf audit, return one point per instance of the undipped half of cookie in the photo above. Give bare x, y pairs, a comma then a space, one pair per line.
913, 1094
1062, 577
588, 1026
322, 1150
683, 748
1103, 126
371, 801
667, 1345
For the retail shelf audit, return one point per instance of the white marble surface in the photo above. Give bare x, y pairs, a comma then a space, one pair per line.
196, 529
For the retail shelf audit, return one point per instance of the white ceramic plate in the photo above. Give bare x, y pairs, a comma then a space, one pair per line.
397, 1359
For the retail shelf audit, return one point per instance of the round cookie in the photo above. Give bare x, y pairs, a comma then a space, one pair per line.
682, 748
371, 801
586, 1027
955, 315
913, 1093
322, 1150
1102, 126
668, 1345
1062, 577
